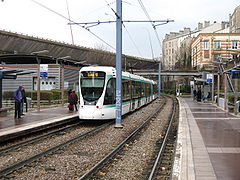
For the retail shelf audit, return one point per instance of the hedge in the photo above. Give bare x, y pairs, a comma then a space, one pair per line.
44, 94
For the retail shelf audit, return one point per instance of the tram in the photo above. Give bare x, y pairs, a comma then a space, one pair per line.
97, 87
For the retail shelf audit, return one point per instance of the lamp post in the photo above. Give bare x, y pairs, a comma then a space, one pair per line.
38, 75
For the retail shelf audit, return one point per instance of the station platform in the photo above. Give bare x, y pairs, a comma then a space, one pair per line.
33, 121
208, 145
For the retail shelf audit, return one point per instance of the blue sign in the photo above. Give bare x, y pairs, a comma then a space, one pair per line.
209, 78
43, 74
235, 74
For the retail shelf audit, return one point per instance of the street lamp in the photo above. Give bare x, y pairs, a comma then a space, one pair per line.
38, 75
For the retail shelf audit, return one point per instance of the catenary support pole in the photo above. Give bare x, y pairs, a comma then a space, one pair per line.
119, 65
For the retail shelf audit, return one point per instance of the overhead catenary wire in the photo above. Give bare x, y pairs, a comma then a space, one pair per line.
150, 20
73, 22
124, 28
69, 21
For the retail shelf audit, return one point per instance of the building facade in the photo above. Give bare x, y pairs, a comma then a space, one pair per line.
209, 48
234, 21
174, 43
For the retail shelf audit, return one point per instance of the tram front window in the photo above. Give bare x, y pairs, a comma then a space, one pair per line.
91, 84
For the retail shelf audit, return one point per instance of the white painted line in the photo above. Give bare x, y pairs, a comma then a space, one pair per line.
200, 112
231, 150
232, 118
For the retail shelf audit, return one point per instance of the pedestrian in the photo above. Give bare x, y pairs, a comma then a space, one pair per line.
199, 95
24, 100
177, 92
70, 106
73, 100
194, 94
18, 99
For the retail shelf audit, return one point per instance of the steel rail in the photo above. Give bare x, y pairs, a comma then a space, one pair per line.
18, 165
101, 163
37, 139
154, 168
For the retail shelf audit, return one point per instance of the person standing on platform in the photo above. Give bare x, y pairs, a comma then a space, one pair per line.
24, 100
199, 95
70, 107
74, 100
18, 99
194, 94
177, 92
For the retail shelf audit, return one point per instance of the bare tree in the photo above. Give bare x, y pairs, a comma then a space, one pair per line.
183, 55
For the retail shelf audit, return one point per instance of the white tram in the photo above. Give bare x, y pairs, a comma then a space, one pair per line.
97, 86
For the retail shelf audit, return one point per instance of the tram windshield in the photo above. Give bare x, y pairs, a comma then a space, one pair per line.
92, 84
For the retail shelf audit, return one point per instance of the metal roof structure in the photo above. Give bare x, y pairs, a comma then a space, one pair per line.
23, 46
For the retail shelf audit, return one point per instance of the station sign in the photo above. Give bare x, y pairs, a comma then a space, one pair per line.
235, 74
43, 70
209, 78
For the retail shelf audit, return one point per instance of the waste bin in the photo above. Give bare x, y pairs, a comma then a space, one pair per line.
238, 106
29, 102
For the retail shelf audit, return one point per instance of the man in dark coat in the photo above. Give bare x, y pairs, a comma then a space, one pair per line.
24, 100
18, 100
199, 95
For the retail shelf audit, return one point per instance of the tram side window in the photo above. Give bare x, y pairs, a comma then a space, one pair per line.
110, 92
142, 89
148, 89
155, 88
125, 90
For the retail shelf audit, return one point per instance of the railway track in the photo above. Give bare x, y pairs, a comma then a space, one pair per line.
15, 166
106, 165
78, 154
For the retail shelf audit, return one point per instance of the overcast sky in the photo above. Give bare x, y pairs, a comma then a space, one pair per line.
28, 17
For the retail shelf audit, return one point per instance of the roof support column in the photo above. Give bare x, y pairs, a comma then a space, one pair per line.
62, 84
38, 83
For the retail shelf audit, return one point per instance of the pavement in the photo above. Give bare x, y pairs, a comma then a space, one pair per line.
208, 145
33, 121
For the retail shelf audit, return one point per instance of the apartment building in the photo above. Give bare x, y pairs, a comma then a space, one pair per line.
208, 48
234, 21
174, 42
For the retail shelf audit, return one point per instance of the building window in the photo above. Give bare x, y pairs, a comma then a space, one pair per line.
206, 54
217, 44
234, 56
234, 44
205, 45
